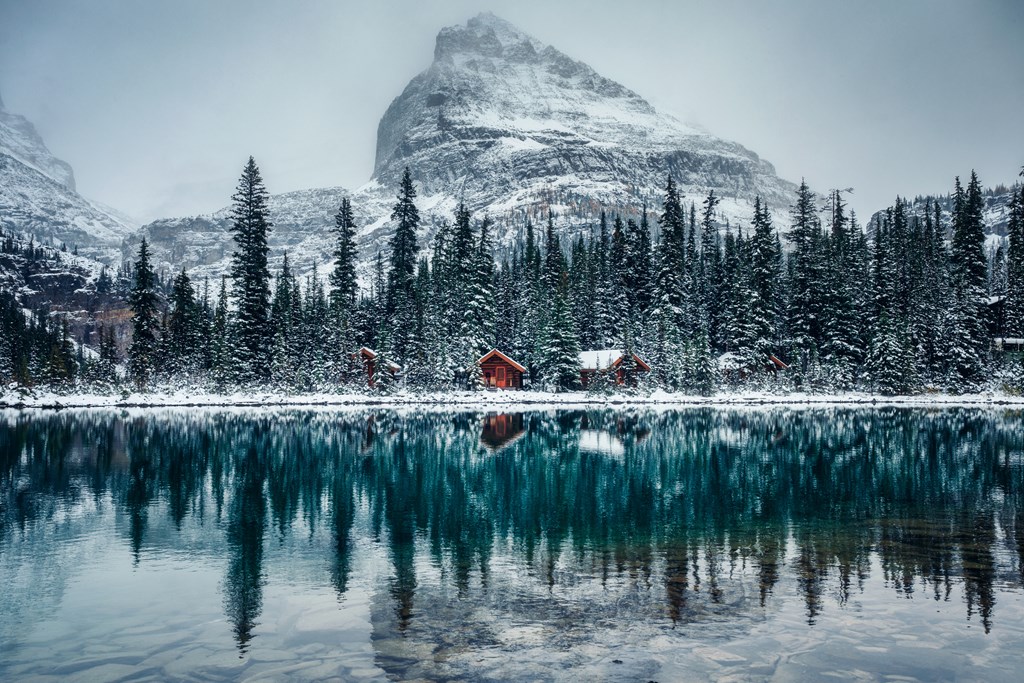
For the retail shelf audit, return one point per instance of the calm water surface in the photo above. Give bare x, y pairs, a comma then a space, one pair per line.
751, 544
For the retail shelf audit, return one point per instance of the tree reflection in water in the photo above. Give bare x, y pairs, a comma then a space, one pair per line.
674, 503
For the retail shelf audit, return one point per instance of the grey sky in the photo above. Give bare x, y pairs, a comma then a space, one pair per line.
156, 105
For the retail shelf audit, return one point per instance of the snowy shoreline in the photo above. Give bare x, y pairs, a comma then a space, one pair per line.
494, 400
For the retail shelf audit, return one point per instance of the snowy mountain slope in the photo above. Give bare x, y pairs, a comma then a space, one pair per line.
19, 139
38, 197
514, 128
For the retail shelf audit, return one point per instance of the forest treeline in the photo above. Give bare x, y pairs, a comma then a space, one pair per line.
909, 303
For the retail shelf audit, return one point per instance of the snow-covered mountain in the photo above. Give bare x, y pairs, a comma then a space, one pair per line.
513, 127
38, 197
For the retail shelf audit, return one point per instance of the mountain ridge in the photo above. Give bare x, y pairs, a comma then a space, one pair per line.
514, 128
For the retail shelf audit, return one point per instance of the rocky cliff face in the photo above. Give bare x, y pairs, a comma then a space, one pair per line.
38, 197
514, 128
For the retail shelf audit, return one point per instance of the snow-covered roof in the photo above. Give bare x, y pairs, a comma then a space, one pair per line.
1011, 341
496, 352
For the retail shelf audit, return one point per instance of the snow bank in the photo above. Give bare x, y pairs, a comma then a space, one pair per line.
12, 398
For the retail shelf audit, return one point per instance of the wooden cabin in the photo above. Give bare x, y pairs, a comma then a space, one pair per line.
501, 372
369, 358
610, 360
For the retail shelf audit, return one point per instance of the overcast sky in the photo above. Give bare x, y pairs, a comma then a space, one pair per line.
157, 105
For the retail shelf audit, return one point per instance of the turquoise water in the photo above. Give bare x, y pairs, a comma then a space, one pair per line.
749, 544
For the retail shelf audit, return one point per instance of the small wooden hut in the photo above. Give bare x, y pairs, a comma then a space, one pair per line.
501, 372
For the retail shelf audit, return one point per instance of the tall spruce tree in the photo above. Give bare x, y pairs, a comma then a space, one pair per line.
967, 343
344, 363
184, 328
804, 320
250, 274
401, 313
145, 301
344, 285
1014, 305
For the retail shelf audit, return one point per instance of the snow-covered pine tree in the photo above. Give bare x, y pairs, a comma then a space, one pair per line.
581, 290
145, 301
889, 363
618, 262
560, 350
804, 280
184, 328
220, 354
284, 323
250, 224
967, 336
316, 335
401, 294
1014, 305
841, 351
708, 267
603, 314
738, 332
344, 286
765, 273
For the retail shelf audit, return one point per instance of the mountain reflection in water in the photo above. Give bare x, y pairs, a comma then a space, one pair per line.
520, 532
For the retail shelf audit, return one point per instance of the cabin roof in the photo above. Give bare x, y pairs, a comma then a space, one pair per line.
604, 359
499, 354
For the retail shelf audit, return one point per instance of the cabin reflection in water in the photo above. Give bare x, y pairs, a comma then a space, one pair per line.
500, 431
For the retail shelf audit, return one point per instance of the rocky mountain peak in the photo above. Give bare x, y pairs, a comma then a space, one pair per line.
486, 35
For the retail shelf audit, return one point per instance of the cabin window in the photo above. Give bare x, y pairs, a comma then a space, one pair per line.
501, 376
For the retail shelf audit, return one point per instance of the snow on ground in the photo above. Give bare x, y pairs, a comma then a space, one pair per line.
488, 400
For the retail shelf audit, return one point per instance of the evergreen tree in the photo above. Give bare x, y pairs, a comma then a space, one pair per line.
344, 286
184, 328
966, 334
560, 352
220, 360
765, 272
401, 292
250, 274
285, 322
1014, 304
804, 321
142, 355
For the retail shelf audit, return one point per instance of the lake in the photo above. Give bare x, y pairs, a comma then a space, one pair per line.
623, 545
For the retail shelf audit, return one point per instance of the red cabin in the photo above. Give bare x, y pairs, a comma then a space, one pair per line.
500, 371
609, 360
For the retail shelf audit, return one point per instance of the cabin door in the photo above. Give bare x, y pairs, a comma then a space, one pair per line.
501, 376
